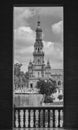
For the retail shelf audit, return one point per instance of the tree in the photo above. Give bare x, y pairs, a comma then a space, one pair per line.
48, 99
46, 86
16, 82
20, 78
17, 68
27, 75
60, 97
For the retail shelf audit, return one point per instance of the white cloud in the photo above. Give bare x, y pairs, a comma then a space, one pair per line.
27, 50
23, 50
52, 11
24, 36
23, 43
47, 44
53, 52
24, 32
57, 28
21, 15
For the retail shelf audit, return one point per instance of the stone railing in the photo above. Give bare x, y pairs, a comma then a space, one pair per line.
38, 117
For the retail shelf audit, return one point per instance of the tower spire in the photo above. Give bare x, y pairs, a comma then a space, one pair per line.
38, 17
38, 29
38, 22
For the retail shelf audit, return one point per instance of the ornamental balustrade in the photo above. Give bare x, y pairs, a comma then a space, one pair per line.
38, 117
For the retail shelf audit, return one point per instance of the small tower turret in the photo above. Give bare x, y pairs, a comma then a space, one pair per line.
48, 64
48, 69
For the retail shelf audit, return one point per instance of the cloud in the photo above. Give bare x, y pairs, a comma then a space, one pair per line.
24, 33
53, 52
48, 44
50, 11
21, 15
57, 28
24, 47
26, 51
23, 36
23, 43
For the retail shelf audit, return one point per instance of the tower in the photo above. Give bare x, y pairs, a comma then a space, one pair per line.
37, 69
48, 69
38, 54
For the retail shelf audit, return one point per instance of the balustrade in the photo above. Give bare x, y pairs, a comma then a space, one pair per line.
38, 117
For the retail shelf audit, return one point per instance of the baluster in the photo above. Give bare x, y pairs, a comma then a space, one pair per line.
61, 118
16, 119
26, 118
36, 118
41, 118
51, 118
21, 118
56, 118
31, 118
46, 118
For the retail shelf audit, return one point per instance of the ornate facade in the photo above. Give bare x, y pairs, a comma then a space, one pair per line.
37, 69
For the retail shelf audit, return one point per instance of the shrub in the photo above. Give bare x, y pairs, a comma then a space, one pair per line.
48, 99
60, 97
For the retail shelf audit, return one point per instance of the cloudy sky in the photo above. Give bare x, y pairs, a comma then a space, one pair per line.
24, 26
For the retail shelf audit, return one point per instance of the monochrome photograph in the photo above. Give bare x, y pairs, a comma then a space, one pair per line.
38, 71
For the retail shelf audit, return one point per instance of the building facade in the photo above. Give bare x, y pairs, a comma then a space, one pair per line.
37, 68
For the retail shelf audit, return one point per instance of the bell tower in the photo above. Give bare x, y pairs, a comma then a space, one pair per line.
37, 68
38, 54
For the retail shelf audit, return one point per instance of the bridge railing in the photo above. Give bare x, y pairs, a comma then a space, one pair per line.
38, 117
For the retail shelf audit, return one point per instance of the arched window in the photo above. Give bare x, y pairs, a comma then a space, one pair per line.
59, 82
31, 85
38, 49
38, 61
